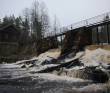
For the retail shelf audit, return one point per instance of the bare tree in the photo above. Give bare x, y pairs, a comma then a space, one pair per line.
56, 25
45, 23
35, 21
39, 20
26, 13
25, 26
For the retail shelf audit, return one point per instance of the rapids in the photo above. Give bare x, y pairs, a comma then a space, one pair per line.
14, 79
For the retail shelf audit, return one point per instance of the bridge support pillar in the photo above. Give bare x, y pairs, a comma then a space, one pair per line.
108, 34
97, 36
61, 39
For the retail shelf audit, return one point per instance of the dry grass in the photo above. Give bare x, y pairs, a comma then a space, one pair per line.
93, 47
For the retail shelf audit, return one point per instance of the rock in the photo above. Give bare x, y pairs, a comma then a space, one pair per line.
74, 63
106, 67
30, 62
23, 66
108, 64
97, 75
71, 55
32, 65
45, 62
69, 64
54, 61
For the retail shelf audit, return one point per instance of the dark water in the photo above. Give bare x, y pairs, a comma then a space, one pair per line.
16, 80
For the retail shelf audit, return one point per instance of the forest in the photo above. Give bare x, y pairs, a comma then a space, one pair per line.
33, 23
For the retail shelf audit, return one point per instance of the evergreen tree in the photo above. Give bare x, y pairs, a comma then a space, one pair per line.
11, 19
33, 24
18, 22
5, 21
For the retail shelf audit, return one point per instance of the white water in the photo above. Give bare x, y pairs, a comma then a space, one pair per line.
94, 57
89, 58
55, 53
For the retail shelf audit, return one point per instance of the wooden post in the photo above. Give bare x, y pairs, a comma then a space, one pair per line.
57, 41
61, 39
97, 36
108, 34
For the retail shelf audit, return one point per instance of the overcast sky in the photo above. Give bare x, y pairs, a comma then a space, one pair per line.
67, 11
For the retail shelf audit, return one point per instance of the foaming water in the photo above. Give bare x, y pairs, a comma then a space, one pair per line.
94, 57
55, 53
64, 80
53, 77
78, 55
73, 73
94, 88
51, 53
89, 58
6, 65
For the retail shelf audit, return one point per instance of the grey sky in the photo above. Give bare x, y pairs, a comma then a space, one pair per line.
67, 11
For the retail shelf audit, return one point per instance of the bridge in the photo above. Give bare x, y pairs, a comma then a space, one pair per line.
76, 36
94, 22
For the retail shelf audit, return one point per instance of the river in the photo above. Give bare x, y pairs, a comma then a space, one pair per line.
14, 79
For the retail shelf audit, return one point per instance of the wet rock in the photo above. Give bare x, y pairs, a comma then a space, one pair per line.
71, 55
106, 67
51, 61
33, 65
62, 70
97, 75
54, 61
69, 64
108, 64
45, 62
30, 62
23, 66
74, 63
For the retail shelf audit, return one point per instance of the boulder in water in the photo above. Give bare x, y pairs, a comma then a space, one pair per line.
30, 62
54, 61
45, 62
97, 75
23, 66
71, 55
69, 64
32, 65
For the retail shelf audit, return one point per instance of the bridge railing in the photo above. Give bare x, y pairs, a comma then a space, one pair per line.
98, 19
88, 22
